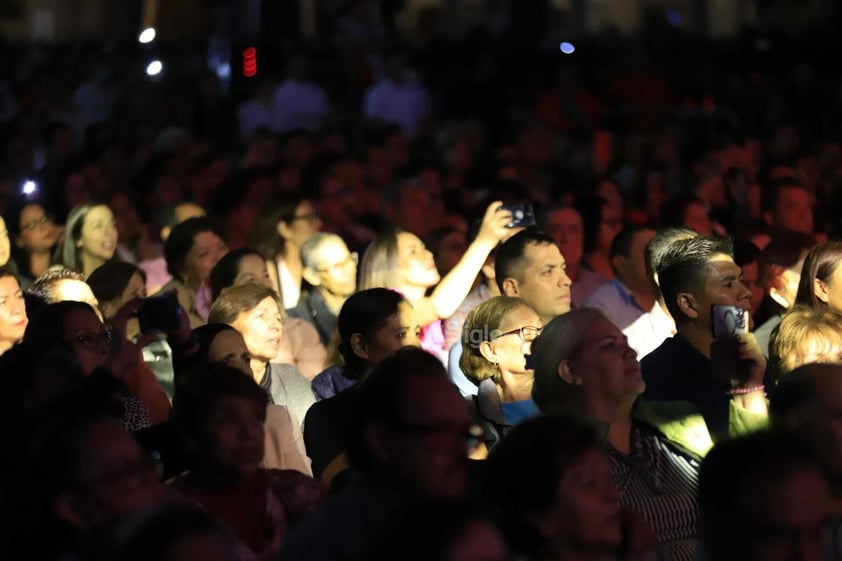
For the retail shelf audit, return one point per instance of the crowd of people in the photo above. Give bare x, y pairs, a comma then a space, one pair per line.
281, 331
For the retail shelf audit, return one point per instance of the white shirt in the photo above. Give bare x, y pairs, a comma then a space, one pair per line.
648, 331
405, 104
299, 105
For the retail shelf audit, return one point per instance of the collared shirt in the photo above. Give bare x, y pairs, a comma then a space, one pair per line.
616, 301
646, 333
676, 371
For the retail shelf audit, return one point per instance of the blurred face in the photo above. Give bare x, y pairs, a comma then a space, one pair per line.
414, 213
696, 218
479, 541
545, 285
229, 347
751, 281
632, 269
722, 285
334, 201
610, 225
304, 224
5, 245
336, 268
400, 330
135, 289
116, 477
565, 226
261, 329
429, 450
830, 292
586, 512
794, 211
607, 366
99, 234
513, 340
252, 270
235, 434
37, 231
12, 312
88, 338
785, 520
450, 250
416, 263
207, 250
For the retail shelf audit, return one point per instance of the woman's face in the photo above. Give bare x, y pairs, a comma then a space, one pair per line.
135, 289
251, 269
510, 347
305, 222
416, 263
5, 245
607, 366
12, 312
88, 338
830, 292
229, 347
37, 231
235, 434
610, 224
207, 250
586, 512
261, 329
400, 330
99, 234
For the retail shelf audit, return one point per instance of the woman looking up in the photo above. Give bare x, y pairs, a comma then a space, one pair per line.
398, 260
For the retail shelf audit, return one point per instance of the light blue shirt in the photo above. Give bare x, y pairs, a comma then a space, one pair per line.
616, 302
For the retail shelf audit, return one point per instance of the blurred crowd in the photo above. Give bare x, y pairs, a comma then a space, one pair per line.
439, 302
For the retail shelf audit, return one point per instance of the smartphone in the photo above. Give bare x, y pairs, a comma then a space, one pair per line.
522, 215
159, 314
729, 321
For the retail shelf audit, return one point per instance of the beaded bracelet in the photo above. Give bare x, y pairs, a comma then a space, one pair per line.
744, 391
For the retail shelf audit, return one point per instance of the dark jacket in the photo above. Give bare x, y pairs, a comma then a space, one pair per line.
313, 309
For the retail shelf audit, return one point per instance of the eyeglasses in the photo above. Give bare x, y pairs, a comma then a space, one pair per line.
90, 341
442, 433
306, 216
353, 257
526, 333
31, 225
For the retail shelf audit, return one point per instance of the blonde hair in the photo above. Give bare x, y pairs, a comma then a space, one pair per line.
804, 332
561, 340
481, 325
379, 265
234, 300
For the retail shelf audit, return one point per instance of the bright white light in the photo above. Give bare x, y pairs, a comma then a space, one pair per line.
29, 187
223, 71
154, 68
567, 48
147, 35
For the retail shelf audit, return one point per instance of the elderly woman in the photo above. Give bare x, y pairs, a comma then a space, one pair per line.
13, 318
583, 364
399, 260
219, 343
301, 345
806, 335
496, 337
255, 311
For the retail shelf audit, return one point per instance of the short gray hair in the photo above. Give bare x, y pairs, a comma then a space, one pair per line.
310, 248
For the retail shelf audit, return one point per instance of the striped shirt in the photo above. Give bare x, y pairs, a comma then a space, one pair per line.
658, 482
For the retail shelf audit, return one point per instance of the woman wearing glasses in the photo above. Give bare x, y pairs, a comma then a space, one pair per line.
34, 239
282, 227
496, 338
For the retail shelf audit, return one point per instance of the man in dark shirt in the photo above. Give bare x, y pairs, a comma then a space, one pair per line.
696, 274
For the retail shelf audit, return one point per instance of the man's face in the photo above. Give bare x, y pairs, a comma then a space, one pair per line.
752, 282
794, 211
722, 284
632, 269
429, 450
544, 283
565, 226
784, 520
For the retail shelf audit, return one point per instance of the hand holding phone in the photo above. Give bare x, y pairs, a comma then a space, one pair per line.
159, 314
523, 215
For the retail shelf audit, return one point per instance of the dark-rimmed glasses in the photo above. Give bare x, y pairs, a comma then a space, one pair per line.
526, 333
